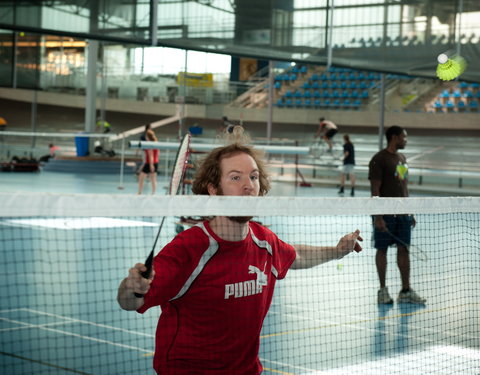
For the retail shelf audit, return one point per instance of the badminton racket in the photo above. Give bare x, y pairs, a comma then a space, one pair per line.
416, 251
179, 167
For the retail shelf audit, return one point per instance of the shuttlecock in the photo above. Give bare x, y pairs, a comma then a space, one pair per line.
450, 68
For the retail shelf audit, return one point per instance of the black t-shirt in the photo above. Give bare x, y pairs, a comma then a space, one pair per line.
392, 171
350, 159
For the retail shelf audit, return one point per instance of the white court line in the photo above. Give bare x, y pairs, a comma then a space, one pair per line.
359, 320
264, 360
72, 320
88, 322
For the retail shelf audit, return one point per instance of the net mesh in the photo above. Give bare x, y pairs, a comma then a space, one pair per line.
62, 258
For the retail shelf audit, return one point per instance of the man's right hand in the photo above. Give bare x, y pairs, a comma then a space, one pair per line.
380, 223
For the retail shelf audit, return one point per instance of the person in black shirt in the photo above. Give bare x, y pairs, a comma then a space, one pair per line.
388, 175
348, 165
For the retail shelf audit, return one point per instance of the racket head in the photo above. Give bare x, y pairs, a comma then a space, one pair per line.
416, 251
180, 165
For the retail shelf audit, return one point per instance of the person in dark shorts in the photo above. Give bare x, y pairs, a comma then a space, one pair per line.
348, 165
388, 175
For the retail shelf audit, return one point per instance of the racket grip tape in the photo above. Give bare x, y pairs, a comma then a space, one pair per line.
146, 274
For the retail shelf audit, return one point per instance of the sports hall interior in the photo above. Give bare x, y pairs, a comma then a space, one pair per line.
275, 67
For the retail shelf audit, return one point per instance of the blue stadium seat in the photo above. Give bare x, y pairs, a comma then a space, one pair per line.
295, 69
325, 94
288, 94
445, 94
354, 94
365, 94
303, 69
278, 85
297, 94
357, 104
335, 94
343, 85
363, 85
456, 94
280, 103
317, 103
292, 77
463, 85
307, 94
316, 94
473, 105
461, 106
306, 85
315, 85
314, 77
449, 105
307, 103
325, 85
438, 106
333, 85
288, 102
298, 103
468, 94
353, 85
345, 94
326, 103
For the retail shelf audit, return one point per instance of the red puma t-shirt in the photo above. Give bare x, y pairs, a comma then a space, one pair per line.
214, 295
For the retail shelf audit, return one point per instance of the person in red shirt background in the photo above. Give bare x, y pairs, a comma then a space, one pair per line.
214, 282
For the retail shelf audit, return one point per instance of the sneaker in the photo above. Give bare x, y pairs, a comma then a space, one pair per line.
410, 297
384, 297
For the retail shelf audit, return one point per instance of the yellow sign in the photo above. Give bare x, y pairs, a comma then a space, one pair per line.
195, 79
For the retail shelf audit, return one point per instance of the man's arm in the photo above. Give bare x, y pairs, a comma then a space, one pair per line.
311, 256
133, 283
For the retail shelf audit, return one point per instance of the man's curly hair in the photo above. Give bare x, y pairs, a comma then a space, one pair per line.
208, 172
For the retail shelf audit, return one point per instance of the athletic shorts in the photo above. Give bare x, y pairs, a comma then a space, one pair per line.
146, 168
399, 225
348, 168
331, 133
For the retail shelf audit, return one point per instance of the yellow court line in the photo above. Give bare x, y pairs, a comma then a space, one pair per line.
364, 321
277, 371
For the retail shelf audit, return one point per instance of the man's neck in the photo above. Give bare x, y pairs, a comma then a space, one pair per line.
391, 148
229, 230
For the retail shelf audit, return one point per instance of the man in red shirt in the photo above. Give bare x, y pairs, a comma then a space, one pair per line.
214, 282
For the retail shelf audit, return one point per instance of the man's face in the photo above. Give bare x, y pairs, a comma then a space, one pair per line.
401, 140
240, 176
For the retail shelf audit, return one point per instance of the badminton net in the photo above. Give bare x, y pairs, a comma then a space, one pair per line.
63, 257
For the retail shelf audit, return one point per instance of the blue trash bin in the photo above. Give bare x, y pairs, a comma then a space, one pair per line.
81, 144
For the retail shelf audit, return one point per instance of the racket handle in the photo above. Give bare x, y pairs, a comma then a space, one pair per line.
146, 274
